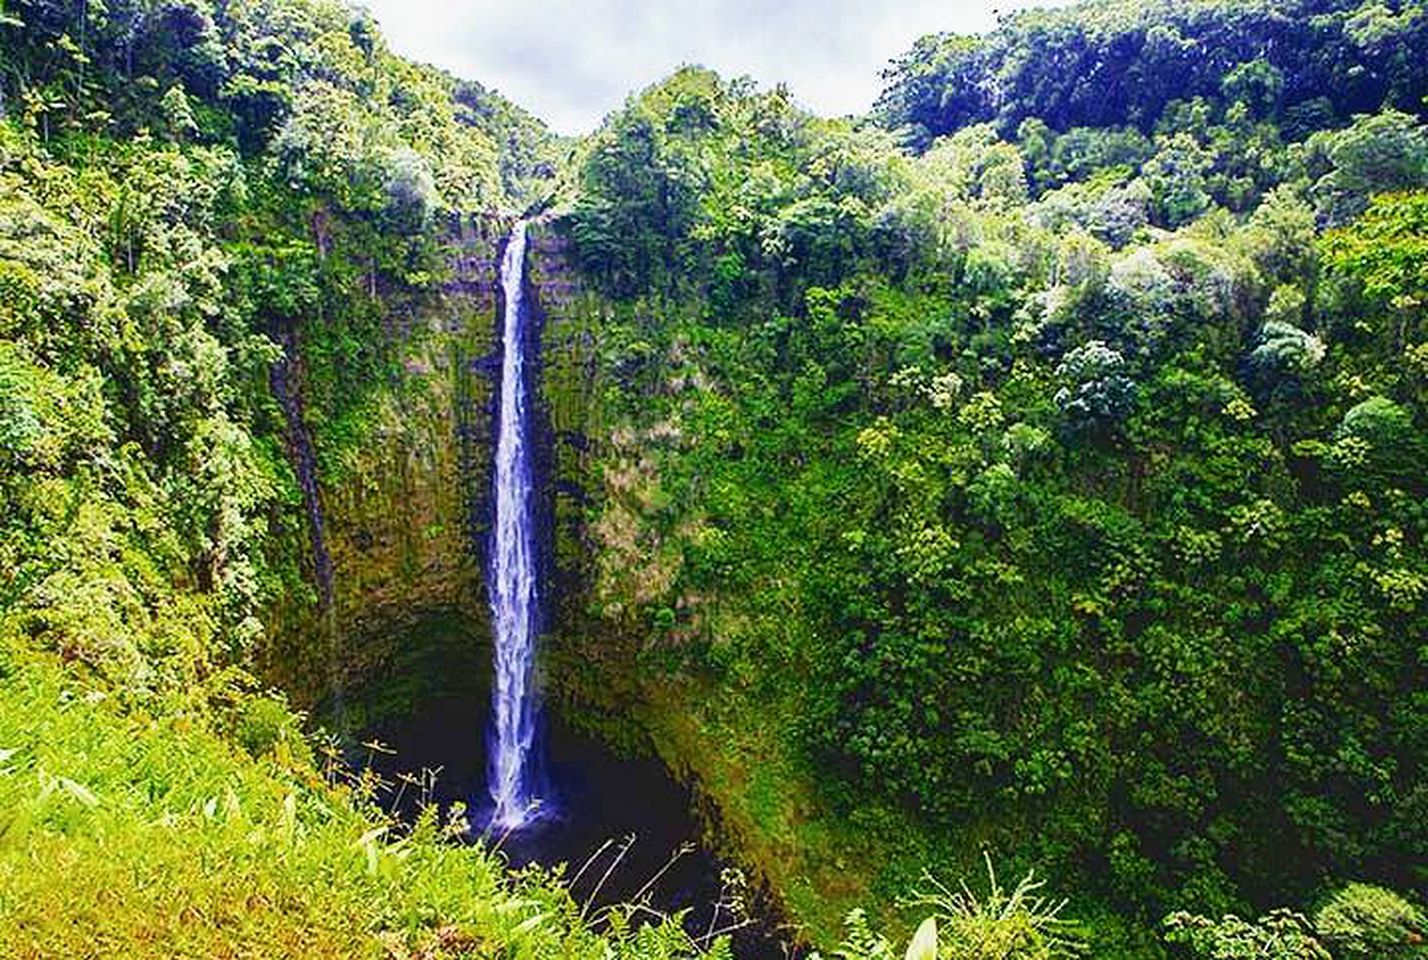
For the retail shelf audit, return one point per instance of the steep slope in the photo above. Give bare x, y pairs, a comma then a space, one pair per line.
139, 833
243, 307
933, 509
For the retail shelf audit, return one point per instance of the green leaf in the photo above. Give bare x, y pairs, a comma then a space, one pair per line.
529, 924
79, 792
924, 941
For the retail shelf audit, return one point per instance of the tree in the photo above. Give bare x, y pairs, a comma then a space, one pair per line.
1379, 153
1379, 266
1363, 922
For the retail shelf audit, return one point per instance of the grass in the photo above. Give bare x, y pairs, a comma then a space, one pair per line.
125, 834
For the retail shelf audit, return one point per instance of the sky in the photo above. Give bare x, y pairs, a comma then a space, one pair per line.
573, 61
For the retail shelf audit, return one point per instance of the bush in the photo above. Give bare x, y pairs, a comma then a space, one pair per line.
1282, 935
1016, 924
265, 725
1363, 922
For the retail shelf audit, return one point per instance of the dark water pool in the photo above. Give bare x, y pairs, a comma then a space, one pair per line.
617, 822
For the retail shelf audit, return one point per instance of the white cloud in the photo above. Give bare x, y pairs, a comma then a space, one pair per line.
573, 61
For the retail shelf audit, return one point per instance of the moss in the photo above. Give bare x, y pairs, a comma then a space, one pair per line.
405, 511
441, 652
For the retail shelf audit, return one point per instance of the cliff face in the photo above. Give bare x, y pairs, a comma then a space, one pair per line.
609, 555
587, 659
568, 321
405, 515
406, 523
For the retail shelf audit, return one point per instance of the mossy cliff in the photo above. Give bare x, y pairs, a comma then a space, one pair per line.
405, 510
405, 501
614, 562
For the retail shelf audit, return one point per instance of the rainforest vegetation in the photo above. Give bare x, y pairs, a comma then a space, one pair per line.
1028, 475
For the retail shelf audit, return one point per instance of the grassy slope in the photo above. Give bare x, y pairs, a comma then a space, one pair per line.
128, 834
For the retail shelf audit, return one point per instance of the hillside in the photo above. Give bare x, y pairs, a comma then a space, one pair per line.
1304, 65
1051, 490
192, 198
1027, 476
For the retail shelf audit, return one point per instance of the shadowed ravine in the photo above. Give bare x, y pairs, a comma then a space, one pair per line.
626, 816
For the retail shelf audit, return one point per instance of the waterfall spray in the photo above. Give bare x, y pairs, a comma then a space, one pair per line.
512, 575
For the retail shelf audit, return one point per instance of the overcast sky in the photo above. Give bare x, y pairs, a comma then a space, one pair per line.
573, 61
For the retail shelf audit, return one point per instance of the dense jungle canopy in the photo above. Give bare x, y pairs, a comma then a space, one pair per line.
1031, 469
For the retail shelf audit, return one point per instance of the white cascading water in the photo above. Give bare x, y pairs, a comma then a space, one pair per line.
512, 585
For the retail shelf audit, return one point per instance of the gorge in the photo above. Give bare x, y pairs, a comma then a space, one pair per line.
878, 517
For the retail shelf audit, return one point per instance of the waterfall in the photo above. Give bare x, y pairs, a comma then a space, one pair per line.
512, 574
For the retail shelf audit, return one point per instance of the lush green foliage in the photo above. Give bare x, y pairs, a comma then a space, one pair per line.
189, 192
1015, 924
1118, 64
1282, 935
1359, 921
1068, 494
1055, 487
138, 833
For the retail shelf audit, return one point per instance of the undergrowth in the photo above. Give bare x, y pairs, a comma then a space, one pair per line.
133, 834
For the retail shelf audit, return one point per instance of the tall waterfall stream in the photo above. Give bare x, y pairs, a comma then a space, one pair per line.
513, 581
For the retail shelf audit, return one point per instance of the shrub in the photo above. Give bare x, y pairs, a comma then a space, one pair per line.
1281, 935
1361, 922
265, 725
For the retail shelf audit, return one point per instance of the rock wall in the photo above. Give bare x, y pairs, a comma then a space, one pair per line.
407, 514
407, 519
592, 655
568, 321
407, 522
